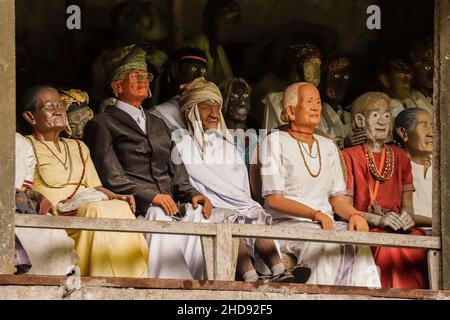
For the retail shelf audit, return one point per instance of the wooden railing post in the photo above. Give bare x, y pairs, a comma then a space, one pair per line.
7, 116
441, 159
225, 253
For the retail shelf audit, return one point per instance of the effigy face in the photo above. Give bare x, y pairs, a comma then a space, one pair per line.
420, 138
239, 102
424, 74
338, 85
78, 120
377, 121
311, 70
190, 70
400, 83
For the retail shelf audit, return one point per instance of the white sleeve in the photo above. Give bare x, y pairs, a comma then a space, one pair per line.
338, 186
25, 162
31, 163
272, 170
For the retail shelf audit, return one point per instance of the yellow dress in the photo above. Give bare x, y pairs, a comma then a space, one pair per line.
102, 254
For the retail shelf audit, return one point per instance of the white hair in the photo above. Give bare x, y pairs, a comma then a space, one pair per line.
290, 95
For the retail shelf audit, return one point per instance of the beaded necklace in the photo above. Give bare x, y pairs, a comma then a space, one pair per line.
388, 166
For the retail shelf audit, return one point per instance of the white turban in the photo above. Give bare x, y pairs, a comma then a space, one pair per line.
194, 93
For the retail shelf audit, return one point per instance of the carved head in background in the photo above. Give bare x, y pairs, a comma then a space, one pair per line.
219, 17
371, 112
185, 65
337, 76
302, 62
138, 22
396, 79
421, 54
302, 105
78, 111
414, 131
236, 93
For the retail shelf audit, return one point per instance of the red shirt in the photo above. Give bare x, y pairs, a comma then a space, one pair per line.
390, 193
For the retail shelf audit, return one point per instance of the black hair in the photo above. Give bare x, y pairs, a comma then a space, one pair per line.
28, 101
405, 119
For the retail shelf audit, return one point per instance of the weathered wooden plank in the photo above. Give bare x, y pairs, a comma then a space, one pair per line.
7, 115
238, 230
232, 286
234, 256
361, 238
115, 225
441, 208
434, 264
224, 253
208, 256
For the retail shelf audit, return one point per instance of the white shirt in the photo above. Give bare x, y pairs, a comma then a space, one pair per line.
137, 114
25, 162
422, 197
284, 171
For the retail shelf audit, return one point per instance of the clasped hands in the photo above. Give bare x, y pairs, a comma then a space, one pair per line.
165, 202
392, 220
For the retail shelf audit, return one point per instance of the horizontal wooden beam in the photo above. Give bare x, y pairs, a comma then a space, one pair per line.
238, 230
115, 225
345, 237
223, 286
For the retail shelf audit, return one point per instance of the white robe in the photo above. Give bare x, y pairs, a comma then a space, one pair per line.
222, 176
175, 256
284, 172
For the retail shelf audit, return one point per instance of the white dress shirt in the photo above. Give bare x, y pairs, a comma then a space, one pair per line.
137, 114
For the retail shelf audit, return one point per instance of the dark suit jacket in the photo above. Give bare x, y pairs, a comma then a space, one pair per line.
130, 162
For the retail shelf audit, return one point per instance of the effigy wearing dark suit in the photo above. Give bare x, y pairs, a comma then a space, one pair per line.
130, 161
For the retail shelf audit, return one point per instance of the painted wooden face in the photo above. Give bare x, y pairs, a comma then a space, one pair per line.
239, 102
50, 112
210, 114
420, 138
377, 121
78, 120
309, 107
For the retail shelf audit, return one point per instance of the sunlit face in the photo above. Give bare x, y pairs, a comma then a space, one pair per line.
309, 107
377, 121
311, 70
210, 114
135, 86
420, 138
190, 70
400, 83
239, 102
50, 112
424, 74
